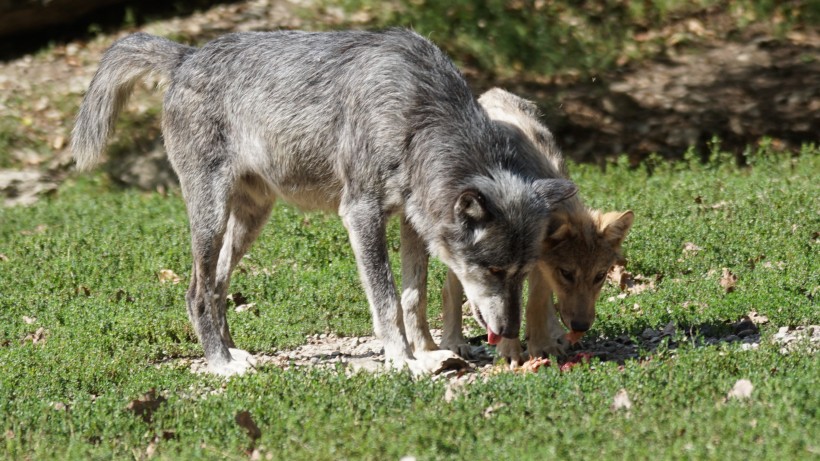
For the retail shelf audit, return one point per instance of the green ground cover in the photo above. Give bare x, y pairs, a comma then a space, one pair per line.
83, 266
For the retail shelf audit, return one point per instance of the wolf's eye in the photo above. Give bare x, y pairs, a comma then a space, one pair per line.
566, 274
496, 271
600, 277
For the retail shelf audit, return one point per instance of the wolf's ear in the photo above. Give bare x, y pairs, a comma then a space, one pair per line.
552, 191
614, 226
559, 229
470, 207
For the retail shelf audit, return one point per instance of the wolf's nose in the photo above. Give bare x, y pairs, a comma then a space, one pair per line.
579, 326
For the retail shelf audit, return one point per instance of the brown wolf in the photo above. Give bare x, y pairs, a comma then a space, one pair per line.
581, 246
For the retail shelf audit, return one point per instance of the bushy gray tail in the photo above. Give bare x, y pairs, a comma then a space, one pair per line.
128, 59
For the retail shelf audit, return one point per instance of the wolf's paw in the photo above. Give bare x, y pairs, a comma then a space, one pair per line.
510, 349
432, 363
241, 361
552, 346
460, 347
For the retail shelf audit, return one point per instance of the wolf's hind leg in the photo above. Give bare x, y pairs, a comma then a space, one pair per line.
207, 202
250, 206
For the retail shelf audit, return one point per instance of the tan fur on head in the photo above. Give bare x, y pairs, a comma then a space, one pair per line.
614, 226
581, 246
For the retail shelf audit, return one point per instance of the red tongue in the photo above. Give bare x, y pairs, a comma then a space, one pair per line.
493, 338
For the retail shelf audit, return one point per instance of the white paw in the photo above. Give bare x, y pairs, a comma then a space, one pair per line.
429, 362
510, 349
241, 361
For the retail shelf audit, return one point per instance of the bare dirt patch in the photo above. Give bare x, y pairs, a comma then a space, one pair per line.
365, 353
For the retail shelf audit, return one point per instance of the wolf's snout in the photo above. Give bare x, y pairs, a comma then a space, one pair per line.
579, 326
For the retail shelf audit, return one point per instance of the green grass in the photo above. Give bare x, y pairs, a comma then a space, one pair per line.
85, 264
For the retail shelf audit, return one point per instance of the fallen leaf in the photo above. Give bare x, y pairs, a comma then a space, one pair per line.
83, 290
29, 320
167, 275
728, 280
59, 406
37, 337
37, 230
780, 265
690, 247
758, 319
247, 307
146, 405
151, 449
245, 421
616, 274
741, 390
621, 401
489, 411
532, 365
3, 257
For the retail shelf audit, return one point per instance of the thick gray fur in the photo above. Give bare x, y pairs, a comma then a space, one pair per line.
368, 124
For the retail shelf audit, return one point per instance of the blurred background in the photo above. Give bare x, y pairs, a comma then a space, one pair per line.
652, 80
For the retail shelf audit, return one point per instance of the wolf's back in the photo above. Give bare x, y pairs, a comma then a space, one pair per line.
128, 59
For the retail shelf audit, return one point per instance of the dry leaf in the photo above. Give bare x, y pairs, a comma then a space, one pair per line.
728, 280
37, 230
3, 257
29, 320
690, 247
245, 421
758, 319
532, 365
621, 401
37, 337
628, 283
83, 290
247, 307
741, 390
167, 275
151, 449
59, 406
489, 411
146, 405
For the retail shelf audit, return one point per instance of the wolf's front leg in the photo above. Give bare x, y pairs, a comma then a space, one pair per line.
365, 223
451, 308
414, 262
544, 332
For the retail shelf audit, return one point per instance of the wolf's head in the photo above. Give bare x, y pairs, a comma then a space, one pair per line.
580, 248
494, 240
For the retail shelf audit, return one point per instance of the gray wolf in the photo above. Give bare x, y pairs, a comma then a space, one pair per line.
580, 247
366, 124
